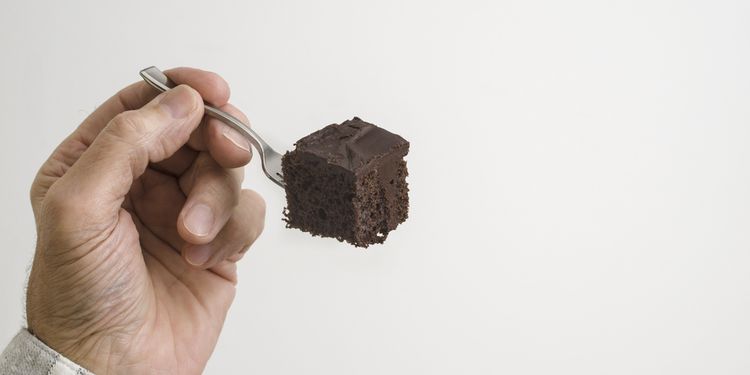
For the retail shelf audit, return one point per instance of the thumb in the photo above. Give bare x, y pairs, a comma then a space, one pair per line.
91, 192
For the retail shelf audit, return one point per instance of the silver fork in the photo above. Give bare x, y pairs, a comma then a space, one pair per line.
270, 159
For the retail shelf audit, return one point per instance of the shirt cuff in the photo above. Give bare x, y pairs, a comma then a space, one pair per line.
27, 355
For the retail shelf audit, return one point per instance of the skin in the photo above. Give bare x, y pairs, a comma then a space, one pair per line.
140, 219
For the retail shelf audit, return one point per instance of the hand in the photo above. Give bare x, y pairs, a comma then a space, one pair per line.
140, 217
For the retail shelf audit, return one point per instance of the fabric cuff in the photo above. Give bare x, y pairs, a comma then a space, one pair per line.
27, 355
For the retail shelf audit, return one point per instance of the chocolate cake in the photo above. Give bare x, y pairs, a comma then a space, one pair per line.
347, 181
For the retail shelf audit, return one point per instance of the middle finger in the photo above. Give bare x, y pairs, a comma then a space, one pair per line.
212, 193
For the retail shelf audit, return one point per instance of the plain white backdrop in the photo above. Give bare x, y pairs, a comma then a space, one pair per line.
580, 174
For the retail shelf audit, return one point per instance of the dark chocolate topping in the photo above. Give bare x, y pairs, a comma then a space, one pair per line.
351, 144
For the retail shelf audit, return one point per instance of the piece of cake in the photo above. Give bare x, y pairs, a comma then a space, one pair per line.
347, 181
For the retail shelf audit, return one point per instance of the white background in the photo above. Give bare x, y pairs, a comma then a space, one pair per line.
580, 174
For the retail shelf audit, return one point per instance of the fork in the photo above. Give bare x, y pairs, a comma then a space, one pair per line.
270, 158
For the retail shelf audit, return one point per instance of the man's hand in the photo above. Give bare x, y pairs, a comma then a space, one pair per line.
140, 217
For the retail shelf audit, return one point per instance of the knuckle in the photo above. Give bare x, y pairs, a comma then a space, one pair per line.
206, 166
259, 205
256, 207
57, 203
238, 174
62, 211
195, 96
217, 83
236, 257
222, 190
231, 180
128, 128
238, 252
245, 240
216, 179
36, 191
236, 112
127, 124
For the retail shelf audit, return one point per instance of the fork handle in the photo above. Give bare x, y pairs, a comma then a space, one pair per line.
158, 80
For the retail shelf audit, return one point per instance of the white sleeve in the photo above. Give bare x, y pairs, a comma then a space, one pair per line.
27, 355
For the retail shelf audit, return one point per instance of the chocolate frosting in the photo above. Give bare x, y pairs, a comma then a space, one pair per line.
351, 144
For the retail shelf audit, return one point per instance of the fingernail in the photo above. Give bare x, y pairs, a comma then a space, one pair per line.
199, 220
198, 255
236, 138
179, 101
